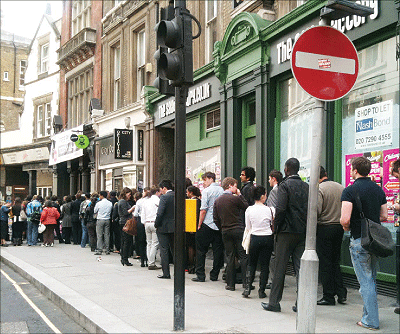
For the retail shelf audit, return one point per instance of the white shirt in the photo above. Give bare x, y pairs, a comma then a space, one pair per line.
138, 208
258, 219
103, 209
149, 209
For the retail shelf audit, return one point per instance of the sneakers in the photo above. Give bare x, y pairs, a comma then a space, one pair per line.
98, 253
153, 267
52, 244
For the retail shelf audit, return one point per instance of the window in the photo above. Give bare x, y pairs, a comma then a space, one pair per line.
141, 62
213, 120
44, 191
80, 91
44, 58
22, 69
80, 15
237, 3
43, 120
5, 76
117, 77
211, 27
117, 2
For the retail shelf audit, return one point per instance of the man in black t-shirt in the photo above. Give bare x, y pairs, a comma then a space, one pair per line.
373, 201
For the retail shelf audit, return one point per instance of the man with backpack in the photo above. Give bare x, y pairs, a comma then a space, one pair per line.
33, 211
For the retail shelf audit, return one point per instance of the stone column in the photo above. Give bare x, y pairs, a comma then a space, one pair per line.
32, 182
55, 180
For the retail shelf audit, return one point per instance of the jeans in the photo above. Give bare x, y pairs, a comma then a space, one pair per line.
152, 242
364, 265
32, 233
85, 235
103, 234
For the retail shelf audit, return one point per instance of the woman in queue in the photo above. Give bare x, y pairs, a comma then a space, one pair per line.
125, 212
49, 218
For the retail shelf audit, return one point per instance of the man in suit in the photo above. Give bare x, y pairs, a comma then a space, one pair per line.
165, 225
290, 229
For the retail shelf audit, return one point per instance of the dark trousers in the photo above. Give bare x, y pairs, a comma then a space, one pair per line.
140, 241
233, 249
204, 237
166, 241
261, 247
91, 227
115, 236
329, 243
66, 233
76, 232
57, 229
48, 234
286, 245
17, 228
126, 244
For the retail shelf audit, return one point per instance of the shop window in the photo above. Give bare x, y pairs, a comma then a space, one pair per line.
22, 70
141, 62
80, 91
44, 58
44, 191
249, 132
5, 76
81, 12
213, 120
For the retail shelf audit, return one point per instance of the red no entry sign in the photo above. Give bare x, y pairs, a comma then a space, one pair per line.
325, 63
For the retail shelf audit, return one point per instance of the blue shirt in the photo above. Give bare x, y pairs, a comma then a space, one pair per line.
208, 197
33, 206
103, 209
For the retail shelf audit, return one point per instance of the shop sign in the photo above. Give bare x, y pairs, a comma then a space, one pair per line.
374, 125
62, 148
195, 95
140, 145
123, 144
106, 151
34, 154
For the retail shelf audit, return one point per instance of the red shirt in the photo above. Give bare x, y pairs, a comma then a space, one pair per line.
49, 216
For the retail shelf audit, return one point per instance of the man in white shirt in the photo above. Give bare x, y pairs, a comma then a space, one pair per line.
148, 216
103, 210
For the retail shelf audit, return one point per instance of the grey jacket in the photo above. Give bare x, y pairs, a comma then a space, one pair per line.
329, 203
66, 213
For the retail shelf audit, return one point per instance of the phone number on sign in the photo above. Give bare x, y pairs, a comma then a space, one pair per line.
368, 140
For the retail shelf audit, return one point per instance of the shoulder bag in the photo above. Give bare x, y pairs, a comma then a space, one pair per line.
375, 238
22, 215
130, 226
272, 224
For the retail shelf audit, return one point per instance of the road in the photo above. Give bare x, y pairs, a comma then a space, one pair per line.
24, 309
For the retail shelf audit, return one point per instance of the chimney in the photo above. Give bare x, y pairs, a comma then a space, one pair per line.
48, 9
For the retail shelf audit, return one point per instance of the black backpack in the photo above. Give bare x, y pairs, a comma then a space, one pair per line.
35, 216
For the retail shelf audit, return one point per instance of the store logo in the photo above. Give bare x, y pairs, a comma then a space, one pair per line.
365, 125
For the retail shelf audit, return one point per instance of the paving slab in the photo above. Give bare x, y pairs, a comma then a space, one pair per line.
103, 296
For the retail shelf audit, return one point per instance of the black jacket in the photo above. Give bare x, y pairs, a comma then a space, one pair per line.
247, 192
291, 209
165, 220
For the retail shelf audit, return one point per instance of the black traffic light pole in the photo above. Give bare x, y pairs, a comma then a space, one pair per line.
175, 69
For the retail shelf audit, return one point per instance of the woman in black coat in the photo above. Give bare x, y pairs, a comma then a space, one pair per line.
90, 222
66, 219
125, 212
17, 225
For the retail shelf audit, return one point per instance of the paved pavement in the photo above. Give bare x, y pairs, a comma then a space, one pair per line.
104, 296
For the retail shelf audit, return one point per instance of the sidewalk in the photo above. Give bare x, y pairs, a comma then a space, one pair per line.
104, 296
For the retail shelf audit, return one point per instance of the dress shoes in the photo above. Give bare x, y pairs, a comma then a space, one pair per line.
163, 277
196, 279
230, 288
324, 302
262, 294
214, 279
269, 307
154, 267
342, 300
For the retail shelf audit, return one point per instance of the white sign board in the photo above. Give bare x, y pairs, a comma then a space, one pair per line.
374, 125
62, 148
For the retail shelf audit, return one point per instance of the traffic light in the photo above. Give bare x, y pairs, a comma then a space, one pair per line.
174, 55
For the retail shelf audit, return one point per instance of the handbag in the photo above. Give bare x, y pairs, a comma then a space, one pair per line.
375, 238
246, 240
22, 215
41, 228
130, 227
272, 224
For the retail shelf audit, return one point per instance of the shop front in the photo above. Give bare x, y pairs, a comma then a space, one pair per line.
203, 124
363, 123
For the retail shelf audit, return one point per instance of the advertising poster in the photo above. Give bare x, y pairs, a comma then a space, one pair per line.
374, 125
349, 179
390, 183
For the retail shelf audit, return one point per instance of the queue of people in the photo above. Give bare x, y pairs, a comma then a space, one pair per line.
245, 228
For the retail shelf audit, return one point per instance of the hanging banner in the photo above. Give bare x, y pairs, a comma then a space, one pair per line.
123, 144
62, 148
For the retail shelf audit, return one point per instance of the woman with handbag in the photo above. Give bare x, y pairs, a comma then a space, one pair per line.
49, 218
125, 212
259, 220
90, 222
18, 224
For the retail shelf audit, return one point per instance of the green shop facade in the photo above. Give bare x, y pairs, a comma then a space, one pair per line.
246, 108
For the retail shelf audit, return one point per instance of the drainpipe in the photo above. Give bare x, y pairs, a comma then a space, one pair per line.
15, 63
